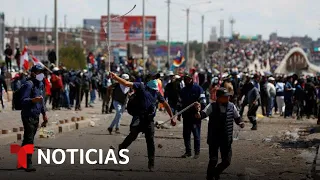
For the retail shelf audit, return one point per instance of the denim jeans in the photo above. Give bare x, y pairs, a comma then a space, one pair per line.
119, 111
92, 96
270, 106
195, 129
66, 98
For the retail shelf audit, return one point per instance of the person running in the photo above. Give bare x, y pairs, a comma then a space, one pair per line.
143, 120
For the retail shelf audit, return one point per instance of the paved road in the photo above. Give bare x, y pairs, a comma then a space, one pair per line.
11, 119
253, 157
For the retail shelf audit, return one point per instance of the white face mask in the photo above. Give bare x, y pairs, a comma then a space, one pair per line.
40, 76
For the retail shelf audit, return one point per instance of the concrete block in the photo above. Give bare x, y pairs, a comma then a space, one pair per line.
15, 130
8, 138
82, 124
67, 127
21, 129
19, 136
5, 131
73, 120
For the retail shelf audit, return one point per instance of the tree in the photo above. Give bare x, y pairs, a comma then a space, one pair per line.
72, 57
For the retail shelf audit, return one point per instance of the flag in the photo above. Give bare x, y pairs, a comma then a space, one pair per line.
24, 59
36, 61
179, 60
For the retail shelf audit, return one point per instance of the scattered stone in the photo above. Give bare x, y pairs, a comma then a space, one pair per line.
92, 123
267, 140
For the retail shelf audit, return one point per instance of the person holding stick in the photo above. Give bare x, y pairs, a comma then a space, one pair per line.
191, 93
143, 121
221, 114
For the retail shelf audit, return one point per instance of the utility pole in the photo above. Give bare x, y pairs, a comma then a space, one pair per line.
202, 46
169, 48
232, 22
109, 37
187, 54
222, 42
65, 29
45, 37
39, 24
143, 36
56, 39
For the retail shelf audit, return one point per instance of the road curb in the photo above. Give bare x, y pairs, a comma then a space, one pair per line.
12, 136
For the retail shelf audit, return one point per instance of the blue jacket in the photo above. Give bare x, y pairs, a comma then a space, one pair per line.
190, 95
29, 91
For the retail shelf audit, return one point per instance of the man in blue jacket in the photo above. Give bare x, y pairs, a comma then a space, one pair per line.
191, 93
32, 107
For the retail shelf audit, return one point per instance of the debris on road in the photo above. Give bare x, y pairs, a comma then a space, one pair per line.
92, 123
43, 133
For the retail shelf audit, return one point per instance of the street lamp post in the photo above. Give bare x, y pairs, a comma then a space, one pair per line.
109, 38
143, 36
188, 15
202, 47
187, 53
56, 31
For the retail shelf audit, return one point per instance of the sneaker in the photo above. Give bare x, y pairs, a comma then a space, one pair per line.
196, 156
151, 166
186, 155
117, 131
254, 127
110, 130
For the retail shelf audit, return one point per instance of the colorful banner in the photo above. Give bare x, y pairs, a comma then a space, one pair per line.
128, 28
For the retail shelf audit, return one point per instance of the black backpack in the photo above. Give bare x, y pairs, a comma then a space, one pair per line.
17, 96
134, 107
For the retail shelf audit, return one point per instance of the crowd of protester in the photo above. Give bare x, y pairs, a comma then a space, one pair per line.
240, 55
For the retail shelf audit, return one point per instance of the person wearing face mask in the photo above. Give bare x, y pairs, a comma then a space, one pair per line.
32, 104
191, 93
145, 100
221, 115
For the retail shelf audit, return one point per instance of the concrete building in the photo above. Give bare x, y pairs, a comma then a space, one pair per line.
2, 32
213, 35
34, 37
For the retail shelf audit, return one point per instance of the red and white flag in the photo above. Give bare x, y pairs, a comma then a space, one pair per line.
24, 59
36, 61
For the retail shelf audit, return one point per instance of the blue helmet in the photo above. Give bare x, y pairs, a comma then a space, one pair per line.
36, 68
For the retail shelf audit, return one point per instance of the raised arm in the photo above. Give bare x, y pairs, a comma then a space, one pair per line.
121, 81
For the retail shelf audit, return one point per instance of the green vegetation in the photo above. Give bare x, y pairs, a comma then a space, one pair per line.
72, 57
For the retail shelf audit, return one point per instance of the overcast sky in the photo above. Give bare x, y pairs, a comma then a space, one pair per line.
287, 17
